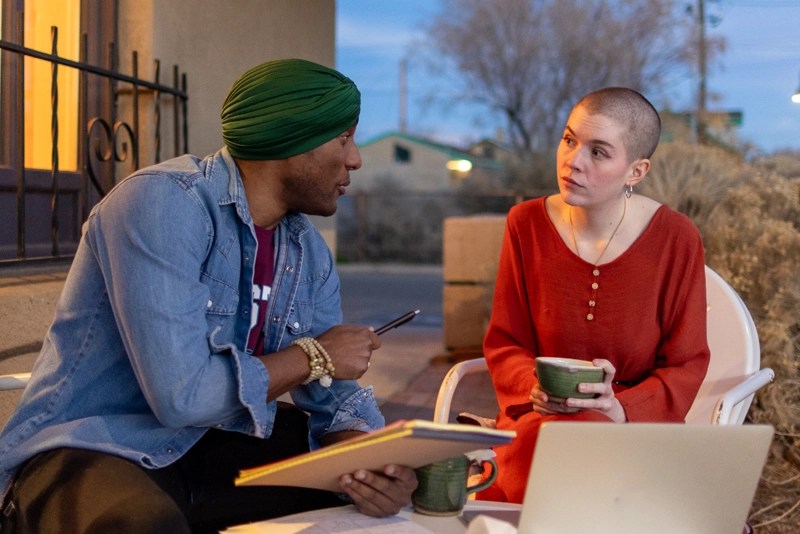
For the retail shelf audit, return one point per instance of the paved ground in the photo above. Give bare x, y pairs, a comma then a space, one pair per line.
405, 373
408, 368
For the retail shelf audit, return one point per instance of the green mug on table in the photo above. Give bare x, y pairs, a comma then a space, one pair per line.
442, 486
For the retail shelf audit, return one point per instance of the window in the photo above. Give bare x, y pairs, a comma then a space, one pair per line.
41, 211
40, 17
402, 154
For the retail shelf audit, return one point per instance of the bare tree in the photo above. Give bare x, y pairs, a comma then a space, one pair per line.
531, 60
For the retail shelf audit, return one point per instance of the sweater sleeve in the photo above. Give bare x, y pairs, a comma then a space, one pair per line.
509, 342
682, 357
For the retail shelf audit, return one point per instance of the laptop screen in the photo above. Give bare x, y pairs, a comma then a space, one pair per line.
643, 477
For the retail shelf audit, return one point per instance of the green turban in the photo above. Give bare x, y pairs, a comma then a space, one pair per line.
286, 107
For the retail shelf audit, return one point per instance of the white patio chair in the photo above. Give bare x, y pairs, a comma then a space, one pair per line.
16, 381
734, 374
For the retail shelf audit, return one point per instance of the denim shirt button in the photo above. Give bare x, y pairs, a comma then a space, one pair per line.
276, 319
170, 450
290, 269
296, 324
209, 304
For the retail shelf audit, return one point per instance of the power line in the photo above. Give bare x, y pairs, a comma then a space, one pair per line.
763, 3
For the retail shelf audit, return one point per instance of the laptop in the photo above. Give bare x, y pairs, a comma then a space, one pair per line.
643, 477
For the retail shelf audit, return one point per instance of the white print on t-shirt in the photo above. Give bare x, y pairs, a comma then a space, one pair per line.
260, 294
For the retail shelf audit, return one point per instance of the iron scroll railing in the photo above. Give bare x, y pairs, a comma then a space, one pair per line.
103, 142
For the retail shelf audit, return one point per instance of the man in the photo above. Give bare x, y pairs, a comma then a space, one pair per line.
158, 378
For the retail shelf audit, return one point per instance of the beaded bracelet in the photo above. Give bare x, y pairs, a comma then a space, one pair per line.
319, 361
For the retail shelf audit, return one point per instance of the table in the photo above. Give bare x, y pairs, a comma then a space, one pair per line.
346, 519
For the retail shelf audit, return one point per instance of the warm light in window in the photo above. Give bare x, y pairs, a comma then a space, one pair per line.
459, 165
40, 15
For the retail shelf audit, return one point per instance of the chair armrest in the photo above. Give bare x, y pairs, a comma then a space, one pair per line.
446, 391
740, 393
17, 381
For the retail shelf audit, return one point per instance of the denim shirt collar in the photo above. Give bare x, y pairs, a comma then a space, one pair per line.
224, 164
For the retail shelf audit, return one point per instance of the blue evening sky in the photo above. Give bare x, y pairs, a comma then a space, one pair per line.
757, 74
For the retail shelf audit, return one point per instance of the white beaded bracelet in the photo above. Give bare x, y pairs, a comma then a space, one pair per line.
319, 361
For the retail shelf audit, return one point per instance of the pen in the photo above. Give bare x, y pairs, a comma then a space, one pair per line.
397, 322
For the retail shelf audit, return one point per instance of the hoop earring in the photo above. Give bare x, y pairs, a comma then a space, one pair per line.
628, 191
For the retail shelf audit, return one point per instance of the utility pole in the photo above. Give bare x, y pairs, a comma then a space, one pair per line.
700, 119
403, 93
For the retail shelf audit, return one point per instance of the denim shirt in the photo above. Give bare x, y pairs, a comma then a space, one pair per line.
146, 350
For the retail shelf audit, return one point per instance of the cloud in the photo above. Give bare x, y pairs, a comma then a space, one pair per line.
381, 38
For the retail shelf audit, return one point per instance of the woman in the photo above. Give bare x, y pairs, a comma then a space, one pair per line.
601, 274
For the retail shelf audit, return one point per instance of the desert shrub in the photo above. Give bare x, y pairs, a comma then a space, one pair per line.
691, 179
754, 241
787, 164
749, 217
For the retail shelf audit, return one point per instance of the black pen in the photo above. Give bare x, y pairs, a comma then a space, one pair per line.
397, 322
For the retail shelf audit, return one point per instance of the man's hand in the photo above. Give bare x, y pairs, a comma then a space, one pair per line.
350, 348
380, 494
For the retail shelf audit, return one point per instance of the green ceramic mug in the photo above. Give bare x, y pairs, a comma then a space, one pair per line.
442, 486
559, 377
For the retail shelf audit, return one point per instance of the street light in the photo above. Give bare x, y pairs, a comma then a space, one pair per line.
796, 96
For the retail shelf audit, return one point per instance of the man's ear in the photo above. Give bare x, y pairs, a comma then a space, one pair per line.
639, 170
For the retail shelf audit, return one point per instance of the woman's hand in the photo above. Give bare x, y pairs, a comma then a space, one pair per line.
380, 494
604, 402
543, 405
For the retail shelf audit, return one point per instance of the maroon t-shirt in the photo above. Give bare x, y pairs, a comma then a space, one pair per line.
263, 274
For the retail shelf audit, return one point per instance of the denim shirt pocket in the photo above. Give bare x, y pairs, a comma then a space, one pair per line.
220, 275
300, 319
220, 308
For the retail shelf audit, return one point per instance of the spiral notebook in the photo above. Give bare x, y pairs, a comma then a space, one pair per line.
413, 443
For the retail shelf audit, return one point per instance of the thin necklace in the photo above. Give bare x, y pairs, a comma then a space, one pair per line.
575, 242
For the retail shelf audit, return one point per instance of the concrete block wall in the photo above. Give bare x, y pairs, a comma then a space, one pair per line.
471, 251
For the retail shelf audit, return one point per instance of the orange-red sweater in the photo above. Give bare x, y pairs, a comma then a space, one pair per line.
649, 317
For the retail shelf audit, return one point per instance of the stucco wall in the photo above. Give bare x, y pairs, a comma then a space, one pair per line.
213, 42
426, 171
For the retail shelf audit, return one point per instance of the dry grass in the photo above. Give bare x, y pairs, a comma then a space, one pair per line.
749, 216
